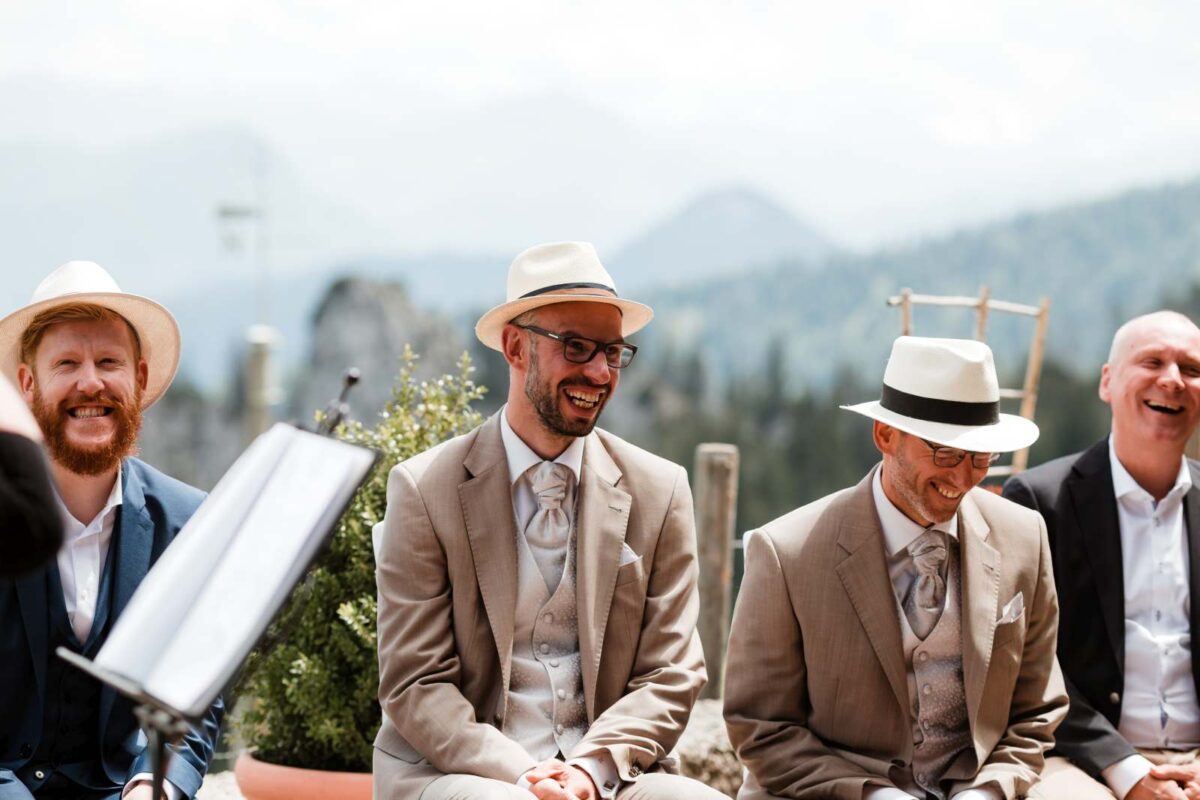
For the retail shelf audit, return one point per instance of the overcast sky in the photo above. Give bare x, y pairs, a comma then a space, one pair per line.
486, 126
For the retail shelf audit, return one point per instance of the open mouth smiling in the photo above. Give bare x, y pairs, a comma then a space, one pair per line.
89, 412
1163, 408
583, 398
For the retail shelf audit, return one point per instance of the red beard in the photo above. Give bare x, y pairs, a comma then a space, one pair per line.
89, 460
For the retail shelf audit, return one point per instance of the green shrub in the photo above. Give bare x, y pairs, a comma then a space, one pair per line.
312, 685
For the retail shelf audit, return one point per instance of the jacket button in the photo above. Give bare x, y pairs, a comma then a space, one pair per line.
39, 774
26, 750
1114, 698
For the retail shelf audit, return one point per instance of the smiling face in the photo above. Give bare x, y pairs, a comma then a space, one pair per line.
925, 492
1152, 381
84, 385
561, 398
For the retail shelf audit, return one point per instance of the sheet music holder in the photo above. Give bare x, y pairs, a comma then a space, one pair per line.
213, 592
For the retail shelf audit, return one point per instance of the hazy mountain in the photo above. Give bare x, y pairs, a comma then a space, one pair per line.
719, 233
1098, 263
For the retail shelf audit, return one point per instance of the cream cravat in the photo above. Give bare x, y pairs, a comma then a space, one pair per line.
927, 594
550, 526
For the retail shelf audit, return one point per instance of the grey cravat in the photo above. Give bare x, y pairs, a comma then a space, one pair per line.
927, 594
550, 527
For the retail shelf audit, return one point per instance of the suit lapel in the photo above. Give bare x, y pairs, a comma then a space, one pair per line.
1191, 519
864, 576
601, 521
1098, 533
980, 602
133, 543
132, 547
486, 500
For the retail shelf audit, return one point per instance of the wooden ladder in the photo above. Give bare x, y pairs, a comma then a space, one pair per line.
984, 305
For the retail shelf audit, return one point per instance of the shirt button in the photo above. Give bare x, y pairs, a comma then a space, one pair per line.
922, 657
554, 664
545, 648
1114, 698
926, 689
558, 729
562, 694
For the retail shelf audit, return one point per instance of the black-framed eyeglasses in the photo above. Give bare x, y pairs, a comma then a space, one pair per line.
952, 456
581, 350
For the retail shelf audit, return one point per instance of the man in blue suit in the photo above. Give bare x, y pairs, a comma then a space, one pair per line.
88, 358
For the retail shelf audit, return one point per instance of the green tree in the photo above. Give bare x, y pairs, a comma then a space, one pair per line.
313, 684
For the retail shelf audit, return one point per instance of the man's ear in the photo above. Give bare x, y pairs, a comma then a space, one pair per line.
25, 382
143, 374
515, 346
886, 438
1105, 390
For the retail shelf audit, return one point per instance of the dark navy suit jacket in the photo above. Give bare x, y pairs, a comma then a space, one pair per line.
153, 508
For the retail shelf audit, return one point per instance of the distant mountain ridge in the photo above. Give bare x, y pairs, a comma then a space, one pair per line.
1099, 263
720, 232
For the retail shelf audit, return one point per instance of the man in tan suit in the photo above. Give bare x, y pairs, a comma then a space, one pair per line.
537, 576
895, 640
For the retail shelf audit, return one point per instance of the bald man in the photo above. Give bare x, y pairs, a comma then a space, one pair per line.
1124, 525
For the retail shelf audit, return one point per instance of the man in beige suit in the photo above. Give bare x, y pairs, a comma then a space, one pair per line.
895, 640
537, 576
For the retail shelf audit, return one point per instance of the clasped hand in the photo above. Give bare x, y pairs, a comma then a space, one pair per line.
554, 780
1168, 782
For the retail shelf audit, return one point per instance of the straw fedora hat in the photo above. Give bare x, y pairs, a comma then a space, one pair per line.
88, 282
562, 272
945, 390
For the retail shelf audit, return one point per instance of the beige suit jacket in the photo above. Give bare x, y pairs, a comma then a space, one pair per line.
816, 685
447, 575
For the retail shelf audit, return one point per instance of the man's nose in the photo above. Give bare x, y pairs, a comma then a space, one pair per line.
88, 380
1170, 377
597, 369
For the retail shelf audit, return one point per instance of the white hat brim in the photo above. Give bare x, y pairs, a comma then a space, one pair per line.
157, 332
634, 315
1009, 434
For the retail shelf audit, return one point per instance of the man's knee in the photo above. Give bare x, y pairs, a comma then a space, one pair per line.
1062, 779
473, 787
662, 786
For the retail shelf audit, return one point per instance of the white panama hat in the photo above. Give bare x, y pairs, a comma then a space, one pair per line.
88, 282
561, 272
945, 390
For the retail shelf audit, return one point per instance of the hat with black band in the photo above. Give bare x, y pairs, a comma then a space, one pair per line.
945, 391
559, 272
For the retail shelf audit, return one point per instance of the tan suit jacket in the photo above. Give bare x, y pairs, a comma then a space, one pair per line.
816, 684
447, 575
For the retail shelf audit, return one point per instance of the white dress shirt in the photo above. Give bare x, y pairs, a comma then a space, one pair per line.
1160, 709
898, 533
81, 559
521, 463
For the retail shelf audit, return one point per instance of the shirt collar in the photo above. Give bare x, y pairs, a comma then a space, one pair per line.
521, 457
1124, 484
74, 527
898, 530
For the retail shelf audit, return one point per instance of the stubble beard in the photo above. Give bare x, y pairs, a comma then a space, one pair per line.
904, 481
89, 460
545, 402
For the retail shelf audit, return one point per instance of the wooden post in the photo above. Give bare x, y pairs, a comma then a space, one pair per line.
906, 326
716, 480
981, 318
1033, 375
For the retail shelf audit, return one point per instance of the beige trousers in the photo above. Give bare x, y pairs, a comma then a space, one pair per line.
1062, 779
653, 786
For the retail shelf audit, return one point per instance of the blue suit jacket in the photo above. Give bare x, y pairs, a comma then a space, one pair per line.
154, 507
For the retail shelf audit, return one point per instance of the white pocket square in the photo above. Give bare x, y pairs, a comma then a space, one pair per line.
627, 555
1013, 610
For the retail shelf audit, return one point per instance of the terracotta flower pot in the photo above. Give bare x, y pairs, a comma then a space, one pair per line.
261, 780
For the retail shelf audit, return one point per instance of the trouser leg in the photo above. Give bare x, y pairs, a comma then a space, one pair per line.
663, 786
473, 787
1061, 779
